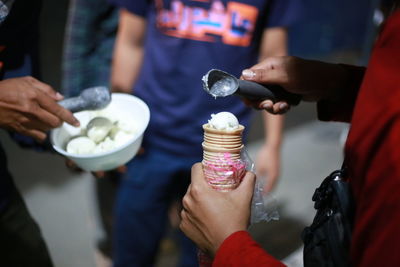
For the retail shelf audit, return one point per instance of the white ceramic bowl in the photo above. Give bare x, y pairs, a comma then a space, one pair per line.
125, 104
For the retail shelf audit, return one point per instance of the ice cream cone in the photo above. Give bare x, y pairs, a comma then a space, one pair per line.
236, 132
221, 157
222, 167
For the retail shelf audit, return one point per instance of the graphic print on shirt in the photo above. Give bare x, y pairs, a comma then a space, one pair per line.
232, 24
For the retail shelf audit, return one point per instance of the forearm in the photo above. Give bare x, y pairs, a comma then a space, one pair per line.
274, 43
126, 65
128, 52
273, 129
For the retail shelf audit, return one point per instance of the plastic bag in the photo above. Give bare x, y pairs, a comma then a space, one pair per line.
225, 173
263, 207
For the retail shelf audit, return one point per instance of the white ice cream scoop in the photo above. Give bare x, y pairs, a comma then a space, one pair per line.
80, 145
224, 121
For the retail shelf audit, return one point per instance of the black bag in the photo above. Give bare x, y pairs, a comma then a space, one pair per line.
327, 239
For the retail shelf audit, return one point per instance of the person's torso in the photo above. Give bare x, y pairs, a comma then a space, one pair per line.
184, 40
373, 155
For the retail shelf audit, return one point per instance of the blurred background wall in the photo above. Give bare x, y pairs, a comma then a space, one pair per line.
333, 27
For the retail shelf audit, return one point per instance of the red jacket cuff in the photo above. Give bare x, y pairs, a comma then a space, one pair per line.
239, 249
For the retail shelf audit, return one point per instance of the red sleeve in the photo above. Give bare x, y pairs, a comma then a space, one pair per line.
376, 232
373, 155
240, 250
341, 109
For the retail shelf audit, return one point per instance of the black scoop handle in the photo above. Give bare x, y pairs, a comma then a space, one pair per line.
257, 92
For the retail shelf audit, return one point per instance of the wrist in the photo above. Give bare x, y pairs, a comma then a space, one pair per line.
275, 146
222, 239
119, 89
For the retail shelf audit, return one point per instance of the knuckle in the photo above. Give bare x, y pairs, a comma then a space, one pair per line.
57, 111
195, 191
17, 127
56, 123
260, 75
27, 107
23, 120
31, 94
182, 225
29, 79
183, 214
48, 88
185, 202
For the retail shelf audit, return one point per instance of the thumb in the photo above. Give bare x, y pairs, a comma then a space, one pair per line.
246, 187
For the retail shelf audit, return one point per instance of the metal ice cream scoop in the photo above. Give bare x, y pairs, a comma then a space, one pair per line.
90, 99
220, 84
98, 128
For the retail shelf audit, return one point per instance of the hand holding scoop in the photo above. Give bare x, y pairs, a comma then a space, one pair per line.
90, 99
220, 84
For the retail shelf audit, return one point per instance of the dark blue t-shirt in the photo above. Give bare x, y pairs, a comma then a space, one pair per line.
184, 40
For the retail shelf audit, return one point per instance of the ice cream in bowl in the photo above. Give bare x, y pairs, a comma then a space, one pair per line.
106, 138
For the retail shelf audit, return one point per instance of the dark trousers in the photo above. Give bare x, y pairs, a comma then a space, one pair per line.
21, 242
152, 182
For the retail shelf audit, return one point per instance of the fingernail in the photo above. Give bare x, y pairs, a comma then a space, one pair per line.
59, 96
248, 74
283, 106
267, 106
77, 123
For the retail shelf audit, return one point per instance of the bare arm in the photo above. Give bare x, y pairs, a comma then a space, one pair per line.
274, 43
128, 52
